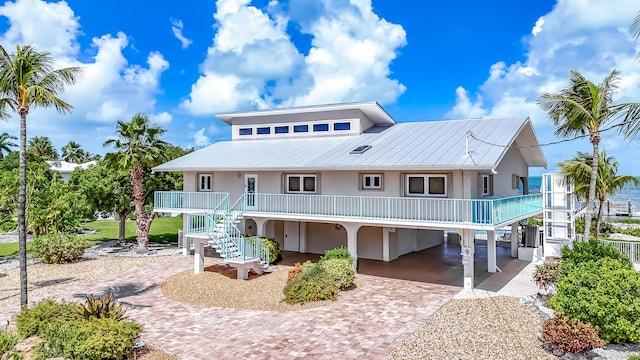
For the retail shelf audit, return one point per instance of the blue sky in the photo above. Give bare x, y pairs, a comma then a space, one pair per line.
421, 60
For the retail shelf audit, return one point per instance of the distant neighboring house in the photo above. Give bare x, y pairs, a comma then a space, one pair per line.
66, 168
319, 177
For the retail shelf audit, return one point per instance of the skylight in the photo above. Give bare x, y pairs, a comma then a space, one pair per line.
360, 149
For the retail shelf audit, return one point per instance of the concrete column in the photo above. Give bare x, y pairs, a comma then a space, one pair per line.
352, 241
467, 248
491, 251
198, 256
303, 237
514, 240
186, 240
385, 242
261, 226
243, 273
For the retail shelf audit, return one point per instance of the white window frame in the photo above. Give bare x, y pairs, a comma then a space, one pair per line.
301, 177
488, 190
209, 182
371, 177
425, 178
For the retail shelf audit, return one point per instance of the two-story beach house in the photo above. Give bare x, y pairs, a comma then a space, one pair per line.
319, 177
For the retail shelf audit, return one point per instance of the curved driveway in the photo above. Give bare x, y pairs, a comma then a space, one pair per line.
367, 325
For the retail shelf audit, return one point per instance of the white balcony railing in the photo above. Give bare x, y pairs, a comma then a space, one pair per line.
489, 212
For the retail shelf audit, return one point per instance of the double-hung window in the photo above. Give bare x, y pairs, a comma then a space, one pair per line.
303, 183
204, 182
371, 181
426, 185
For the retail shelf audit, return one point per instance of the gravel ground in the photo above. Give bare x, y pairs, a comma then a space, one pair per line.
218, 287
491, 328
44, 279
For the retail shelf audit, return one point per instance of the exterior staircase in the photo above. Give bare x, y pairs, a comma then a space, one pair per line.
242, 252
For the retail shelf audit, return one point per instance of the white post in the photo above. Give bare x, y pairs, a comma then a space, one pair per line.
467, 247
243, 273
261, 226
198, 256
491, 251
514, 240
385, 243
302, 236
352, 241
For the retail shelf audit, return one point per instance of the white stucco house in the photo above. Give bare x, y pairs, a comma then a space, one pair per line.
66, 168
318, 177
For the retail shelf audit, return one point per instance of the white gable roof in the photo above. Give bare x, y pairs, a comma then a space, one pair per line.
433, 145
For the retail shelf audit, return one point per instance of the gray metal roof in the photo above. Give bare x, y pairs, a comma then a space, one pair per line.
433, 145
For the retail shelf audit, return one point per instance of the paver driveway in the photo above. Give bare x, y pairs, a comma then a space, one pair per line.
366, 325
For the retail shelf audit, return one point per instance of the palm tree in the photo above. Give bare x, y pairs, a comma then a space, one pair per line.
635, 29
28, 80
42, 146
6, 144
138, 149
608, 182
584, 108
73, 153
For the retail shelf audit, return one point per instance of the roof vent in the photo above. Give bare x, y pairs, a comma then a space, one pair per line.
360, 149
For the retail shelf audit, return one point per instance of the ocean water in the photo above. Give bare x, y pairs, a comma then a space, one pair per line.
629, 193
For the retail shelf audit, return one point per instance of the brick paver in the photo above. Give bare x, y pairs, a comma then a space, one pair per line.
367, 325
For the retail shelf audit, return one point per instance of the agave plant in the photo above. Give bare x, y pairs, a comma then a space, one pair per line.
102, 307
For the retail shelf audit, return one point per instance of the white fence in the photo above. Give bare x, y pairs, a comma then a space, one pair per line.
631, 248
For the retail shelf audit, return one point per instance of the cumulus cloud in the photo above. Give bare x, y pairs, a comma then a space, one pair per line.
109, 89
200, 138
253, 62
161, 118
567, 38
176, 28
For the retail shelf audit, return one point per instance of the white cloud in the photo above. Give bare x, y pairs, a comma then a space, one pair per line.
109, 89
176, 28
161, 118
253, 62
200, 139
568, 38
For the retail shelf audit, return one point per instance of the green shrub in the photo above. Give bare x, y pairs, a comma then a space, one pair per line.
66, 332
336, 253
274, 249
603, 293
339, 270
546, 274
634, 357
59, 248
102, 307
7, 341
30, 321
310, 285
570, 335
593, 249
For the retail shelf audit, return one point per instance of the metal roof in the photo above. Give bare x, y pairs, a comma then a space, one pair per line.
433, 145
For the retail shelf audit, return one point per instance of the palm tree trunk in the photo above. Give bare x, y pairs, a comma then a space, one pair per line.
137, 182
595, 139
599, 217
22, 205
122, 227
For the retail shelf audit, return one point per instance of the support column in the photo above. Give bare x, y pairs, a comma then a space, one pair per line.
186, 240
491, 251
261, 226
302, 236
198, 256
514, 240
352, 241
243, 273
385, 242
467, 247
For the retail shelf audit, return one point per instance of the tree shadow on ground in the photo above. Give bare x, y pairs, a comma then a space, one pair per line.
37, 285
121, 291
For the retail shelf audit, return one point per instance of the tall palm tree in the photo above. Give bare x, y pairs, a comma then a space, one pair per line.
42, 146
138, 149
6, 144
72, 152
585, 108
28, 80
635, 29
608, 182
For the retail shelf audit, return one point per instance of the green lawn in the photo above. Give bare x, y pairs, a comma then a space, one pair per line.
163, 231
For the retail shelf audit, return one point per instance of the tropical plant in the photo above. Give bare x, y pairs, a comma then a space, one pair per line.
42, 146
608, 182
138, 148
28, 80
635, 29
6, 144
581, 109
72, 152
